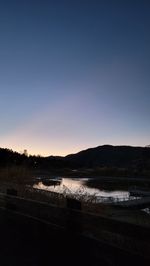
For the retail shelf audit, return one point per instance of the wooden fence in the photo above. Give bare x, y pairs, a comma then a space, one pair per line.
131, 238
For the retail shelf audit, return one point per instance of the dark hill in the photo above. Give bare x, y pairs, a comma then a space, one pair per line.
110, 156
134, 159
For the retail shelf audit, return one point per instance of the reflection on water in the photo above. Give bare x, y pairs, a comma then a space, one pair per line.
147, 210
80, 186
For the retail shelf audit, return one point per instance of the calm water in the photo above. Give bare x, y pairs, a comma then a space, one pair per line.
80, 187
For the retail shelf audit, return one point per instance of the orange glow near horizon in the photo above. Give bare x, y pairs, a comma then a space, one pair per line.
44, 135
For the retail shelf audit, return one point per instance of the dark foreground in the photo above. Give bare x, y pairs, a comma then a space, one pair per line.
28, 242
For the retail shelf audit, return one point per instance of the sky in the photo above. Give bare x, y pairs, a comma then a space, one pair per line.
74, 74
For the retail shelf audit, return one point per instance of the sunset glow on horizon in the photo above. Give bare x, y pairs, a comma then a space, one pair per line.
74, 75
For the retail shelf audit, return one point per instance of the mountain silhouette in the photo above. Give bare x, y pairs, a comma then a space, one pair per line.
106, 156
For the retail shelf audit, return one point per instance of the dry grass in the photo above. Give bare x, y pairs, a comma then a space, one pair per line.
16, 175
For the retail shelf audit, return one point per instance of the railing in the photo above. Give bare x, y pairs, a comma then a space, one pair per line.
126, 236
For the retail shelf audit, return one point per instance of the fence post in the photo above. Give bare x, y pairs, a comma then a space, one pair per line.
74, 215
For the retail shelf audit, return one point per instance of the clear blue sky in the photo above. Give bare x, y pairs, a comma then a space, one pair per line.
74, 74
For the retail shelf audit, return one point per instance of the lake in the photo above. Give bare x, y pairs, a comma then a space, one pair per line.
82, 186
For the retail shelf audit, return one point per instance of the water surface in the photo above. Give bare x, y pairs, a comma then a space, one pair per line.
79, 186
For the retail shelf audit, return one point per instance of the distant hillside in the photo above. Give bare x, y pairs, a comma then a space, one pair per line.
133, 159
111, 156
107, 155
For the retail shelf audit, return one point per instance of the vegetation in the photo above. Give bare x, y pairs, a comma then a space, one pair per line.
15, 174
101, 161
118, 162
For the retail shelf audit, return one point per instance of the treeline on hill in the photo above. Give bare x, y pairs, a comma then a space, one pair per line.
9, 158
103, 160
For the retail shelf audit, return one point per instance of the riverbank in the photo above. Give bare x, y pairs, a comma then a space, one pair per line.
88, 204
